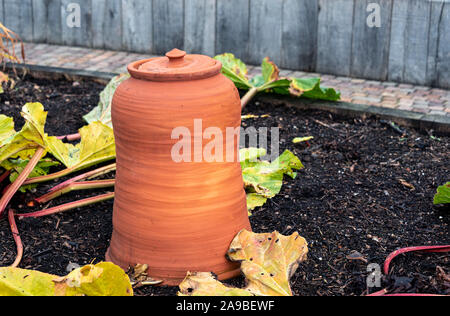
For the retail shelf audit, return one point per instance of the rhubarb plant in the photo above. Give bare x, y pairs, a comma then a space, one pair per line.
270, 81
268, 261
102, 113
262, 179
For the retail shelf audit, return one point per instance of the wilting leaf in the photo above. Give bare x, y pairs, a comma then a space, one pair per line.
266, 179
103, 279
23, 144
18, 165
102, 112
268, 261
298, 140
443, 194
6, 128
205, 284
3, 78
96, 146
139, 276
254, 200
235, 70
270, 71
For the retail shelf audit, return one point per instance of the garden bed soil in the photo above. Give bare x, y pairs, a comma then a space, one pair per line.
349, 198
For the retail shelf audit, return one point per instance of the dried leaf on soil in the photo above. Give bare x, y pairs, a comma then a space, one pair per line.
268, 261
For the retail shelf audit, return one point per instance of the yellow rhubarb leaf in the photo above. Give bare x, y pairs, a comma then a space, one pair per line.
268, 261
96, 146
6, 128
103, 279
23, 144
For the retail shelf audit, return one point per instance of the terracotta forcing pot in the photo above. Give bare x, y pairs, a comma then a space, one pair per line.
177, 215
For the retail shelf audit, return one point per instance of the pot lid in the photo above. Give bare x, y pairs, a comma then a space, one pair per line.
175, 66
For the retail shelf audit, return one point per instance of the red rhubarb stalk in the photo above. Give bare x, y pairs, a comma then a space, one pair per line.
84, 176
87, 185
12, 189
69, 206
17, 240
445, 248
71, 137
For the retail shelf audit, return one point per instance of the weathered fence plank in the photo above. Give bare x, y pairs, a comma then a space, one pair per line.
299, 34
168, 25
443, 60
335, 36
409, 41
107, 24
232, 28
200, 26
370, 50
265, 30
54, 22
18, 17
137, 26
75, 34
40, 21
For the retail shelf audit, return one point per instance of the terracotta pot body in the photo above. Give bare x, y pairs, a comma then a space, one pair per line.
176, 216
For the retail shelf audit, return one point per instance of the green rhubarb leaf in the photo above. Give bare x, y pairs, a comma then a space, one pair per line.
263, 180
96, 146
23, 144
235, 70
268, 261
310, 88
103, 279
102, 112
16, 166
443, 194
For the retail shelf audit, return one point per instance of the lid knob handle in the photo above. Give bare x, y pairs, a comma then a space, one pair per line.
176, 56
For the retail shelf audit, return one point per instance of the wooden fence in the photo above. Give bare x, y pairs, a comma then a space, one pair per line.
411, 44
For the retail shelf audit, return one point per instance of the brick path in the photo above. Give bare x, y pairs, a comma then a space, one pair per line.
384, 94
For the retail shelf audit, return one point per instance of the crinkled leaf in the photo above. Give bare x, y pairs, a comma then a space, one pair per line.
103, 279
298, 140
443, 194
254, 200
266, 178
268, 261
270, 71
206, 284
310, 88
102, 112
24, 143
96, 146
6, 128
235, 70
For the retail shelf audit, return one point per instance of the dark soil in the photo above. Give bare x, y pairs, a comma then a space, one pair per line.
349, 198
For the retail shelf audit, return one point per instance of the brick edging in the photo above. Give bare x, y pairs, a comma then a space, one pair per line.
438, 123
